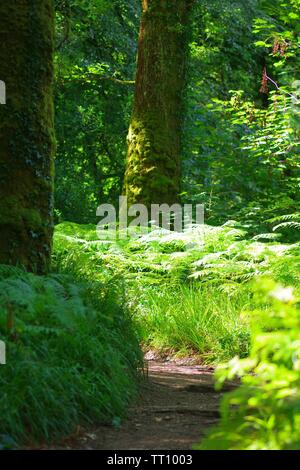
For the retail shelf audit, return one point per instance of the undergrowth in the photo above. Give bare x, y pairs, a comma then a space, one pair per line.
186, 291
264, 412
222, 294
72, 355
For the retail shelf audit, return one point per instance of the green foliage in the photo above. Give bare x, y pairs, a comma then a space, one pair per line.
97, 42
186, 292
242, 147
234, 141
155, 270
223, 59
72, 356
264, 412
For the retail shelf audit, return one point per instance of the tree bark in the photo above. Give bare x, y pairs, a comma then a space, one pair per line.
154, 138
26, 133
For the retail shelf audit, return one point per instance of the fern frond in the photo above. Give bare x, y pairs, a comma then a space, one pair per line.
287, 225
266, 236
284, 218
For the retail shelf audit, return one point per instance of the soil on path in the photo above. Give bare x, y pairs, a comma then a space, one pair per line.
178, 404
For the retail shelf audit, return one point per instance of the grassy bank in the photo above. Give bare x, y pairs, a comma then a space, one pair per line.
72, 356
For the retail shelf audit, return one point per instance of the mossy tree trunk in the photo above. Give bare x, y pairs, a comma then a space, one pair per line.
154, 139
26, 133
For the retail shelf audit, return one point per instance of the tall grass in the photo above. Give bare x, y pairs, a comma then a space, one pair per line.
72, 355
199, 319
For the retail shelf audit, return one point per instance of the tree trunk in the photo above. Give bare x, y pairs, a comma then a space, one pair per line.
26, 133
154, 139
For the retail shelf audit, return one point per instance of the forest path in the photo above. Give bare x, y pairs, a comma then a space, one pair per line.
178, 404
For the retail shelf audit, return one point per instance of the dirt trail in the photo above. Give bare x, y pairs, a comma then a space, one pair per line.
177, 406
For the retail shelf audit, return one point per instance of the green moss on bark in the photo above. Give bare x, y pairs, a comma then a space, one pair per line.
154, 138
26, 133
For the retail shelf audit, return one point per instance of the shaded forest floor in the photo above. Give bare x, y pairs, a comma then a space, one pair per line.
177, 405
